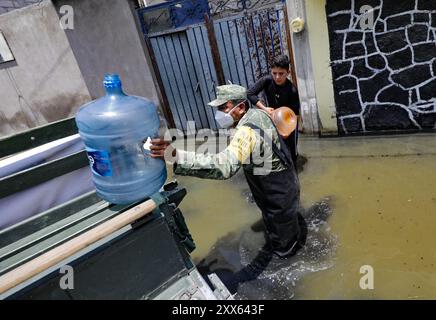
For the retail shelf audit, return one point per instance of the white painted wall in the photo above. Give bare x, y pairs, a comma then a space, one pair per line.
322, 73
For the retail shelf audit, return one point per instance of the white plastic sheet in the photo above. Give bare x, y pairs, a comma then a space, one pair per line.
25, 204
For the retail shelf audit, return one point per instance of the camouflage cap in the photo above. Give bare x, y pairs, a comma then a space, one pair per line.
228, 92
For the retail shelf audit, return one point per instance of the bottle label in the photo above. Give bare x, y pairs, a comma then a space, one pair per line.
100, 162
145, 145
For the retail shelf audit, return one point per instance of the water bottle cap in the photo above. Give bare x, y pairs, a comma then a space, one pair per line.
112, 81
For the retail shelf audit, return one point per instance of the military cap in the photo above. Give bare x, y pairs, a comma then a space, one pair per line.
228, 92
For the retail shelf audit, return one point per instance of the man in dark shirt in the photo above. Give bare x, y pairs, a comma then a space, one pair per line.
279, 92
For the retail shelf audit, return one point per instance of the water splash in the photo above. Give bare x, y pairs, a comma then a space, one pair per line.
235, 253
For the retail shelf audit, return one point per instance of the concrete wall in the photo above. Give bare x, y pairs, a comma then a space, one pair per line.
105, 40
10, 5
322, 73
147, 3
44, 83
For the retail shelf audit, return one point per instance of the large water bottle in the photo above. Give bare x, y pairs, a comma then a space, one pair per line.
115, 129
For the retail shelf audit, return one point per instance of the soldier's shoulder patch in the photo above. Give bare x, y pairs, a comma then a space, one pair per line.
242, 143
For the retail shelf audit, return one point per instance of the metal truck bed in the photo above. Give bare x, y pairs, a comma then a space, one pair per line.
146, 259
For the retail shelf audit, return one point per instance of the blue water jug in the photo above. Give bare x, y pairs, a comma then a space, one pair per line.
115, 129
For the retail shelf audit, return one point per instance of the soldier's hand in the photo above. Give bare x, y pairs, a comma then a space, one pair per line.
161, 148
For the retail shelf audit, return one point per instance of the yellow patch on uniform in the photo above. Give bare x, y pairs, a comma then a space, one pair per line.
242, 143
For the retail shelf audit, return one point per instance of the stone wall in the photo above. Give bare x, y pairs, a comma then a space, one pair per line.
383, 75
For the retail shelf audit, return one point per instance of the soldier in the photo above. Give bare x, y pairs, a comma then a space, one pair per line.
273, 183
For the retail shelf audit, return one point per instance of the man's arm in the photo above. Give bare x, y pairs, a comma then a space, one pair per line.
207, 166
261, 106
253, 92
218, 166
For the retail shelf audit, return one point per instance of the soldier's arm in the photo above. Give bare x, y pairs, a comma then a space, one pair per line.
218, 166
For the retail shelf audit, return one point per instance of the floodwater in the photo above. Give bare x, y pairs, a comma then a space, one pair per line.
369, 203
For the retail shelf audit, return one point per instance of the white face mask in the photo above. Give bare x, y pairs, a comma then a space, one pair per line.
224, 119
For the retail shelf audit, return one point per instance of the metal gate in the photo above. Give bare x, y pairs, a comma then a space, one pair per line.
246, 43
188, 75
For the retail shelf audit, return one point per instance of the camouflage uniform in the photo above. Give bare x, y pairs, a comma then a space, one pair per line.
226, 163
269, 171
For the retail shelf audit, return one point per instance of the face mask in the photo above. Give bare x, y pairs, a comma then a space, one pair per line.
224, 120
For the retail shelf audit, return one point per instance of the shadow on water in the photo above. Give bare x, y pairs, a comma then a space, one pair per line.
248, 269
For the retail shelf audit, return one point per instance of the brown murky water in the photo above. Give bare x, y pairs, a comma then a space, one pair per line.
369, 202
